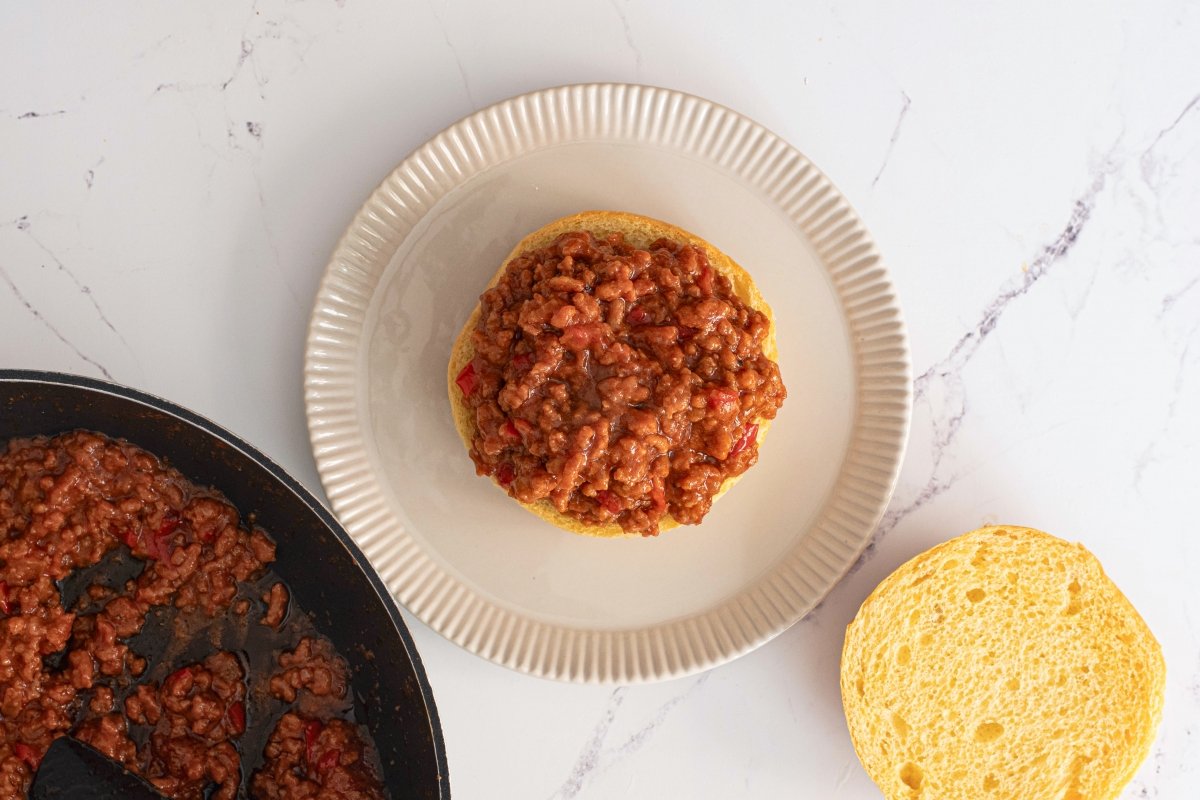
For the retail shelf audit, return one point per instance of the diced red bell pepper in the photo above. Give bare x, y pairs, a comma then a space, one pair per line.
658, 496
522, 361
722, 400
181, 674
516, 428
329, 760
705, 280
160, 542
506, 475
28, 755
749, 435
609, 502
129, 538
237, 716
467, 379
5, 604
637, 316
170, 522
312, 729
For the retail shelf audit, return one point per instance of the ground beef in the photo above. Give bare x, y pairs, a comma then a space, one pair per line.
66, 503
277, 603
314, 667
618, 383
308, 758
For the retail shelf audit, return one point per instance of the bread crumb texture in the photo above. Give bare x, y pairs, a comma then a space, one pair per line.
1001, 664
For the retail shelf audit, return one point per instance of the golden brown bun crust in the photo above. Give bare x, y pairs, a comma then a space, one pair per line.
1002, 664
640, 232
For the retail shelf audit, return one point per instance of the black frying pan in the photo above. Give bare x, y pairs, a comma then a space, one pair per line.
328, 575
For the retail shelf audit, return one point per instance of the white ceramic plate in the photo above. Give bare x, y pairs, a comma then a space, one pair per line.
459, 553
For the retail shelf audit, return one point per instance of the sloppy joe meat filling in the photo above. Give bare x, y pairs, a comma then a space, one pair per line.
67, 501
620, 384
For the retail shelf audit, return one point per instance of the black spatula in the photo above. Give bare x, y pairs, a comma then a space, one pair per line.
71, 770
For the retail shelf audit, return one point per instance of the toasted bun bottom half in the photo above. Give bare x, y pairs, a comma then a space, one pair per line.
640, 232
1001, 664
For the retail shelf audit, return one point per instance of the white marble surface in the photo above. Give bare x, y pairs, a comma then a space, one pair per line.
173, 177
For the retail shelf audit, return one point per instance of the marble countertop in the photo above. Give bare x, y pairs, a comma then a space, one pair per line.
176, 175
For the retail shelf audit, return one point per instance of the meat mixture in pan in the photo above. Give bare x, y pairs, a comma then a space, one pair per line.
620, 384
195, 717
67, 502
313, 666
309, 758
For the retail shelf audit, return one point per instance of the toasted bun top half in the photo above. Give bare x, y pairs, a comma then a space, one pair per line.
1003, 663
